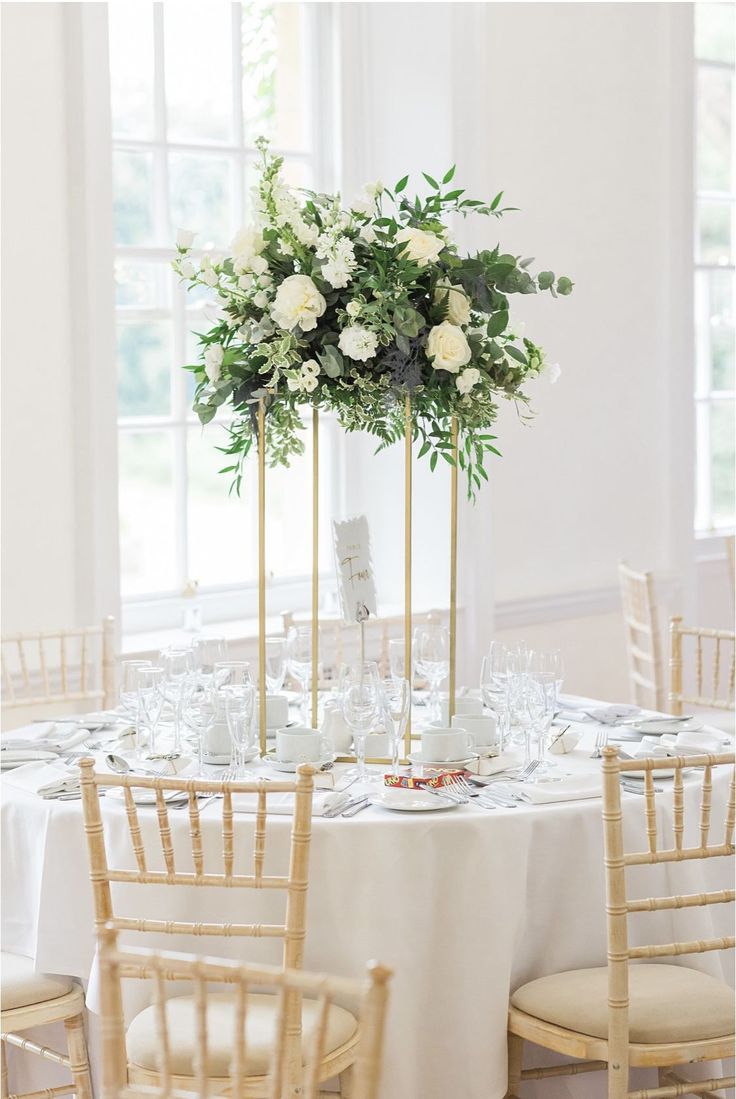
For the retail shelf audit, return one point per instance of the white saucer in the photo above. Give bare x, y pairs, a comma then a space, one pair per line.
291, 768
17, 757
443, 765
658, 728
404, 800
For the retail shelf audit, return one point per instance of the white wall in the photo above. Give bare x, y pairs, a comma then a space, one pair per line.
38, 571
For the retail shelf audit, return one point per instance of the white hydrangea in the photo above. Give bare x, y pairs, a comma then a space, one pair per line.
358, 343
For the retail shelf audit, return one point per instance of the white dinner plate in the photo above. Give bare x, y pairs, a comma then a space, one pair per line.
11, 758
404, 800
290, 768
441, 765
666, 772
657, 728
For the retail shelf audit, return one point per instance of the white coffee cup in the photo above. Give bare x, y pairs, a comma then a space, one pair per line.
482, 727
217, 741
443, 745
464, 705
300, 744
277, 711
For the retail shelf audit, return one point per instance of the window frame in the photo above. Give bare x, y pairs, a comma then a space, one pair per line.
142, 612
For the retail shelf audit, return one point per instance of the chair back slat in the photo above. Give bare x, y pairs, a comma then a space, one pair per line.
238, 1076
164, 830
708, 645
619, 907
643, 643
259, 846
134, 828
318, 1047
195, 832
730, 813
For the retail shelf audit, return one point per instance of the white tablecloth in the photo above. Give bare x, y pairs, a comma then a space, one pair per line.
465, 905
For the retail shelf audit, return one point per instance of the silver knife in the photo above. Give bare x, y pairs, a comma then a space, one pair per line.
357, 807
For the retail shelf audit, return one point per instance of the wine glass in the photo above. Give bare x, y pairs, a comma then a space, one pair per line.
179, 684
275, 663
150, 689
397, 658
432, 660
199, 715
539, 698
299, 647
239, 703
397, 702
231, 673
208, 651
361, 706
494, 686
549, 662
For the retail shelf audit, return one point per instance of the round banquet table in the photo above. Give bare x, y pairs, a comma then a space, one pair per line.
465, 905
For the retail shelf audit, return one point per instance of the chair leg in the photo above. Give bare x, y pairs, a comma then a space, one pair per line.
3, 1072
516, 1050
346, 1080
77, 1046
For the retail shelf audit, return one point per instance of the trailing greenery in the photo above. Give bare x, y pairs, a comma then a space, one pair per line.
352, 309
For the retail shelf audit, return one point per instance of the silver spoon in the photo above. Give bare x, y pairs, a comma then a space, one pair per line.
121, 767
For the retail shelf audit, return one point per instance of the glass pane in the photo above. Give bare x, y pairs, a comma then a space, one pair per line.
222, 538
714, 90
201, 197
199, 96
131, 69
715, 228
274, 80
147, 513
715, 31
714, 330
723, 456
145, 355
133, 197
142, 284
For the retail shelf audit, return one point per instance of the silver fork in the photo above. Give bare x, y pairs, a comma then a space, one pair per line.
470, 793
601, 741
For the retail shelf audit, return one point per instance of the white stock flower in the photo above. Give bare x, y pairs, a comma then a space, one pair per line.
458, 306
467, 379
336, 273
358, 343
184, 239
448, 347
298, 302
260, 300
247, 243
213, 357
421, 247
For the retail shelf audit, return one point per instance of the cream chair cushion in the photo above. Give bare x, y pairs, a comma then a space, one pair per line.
143, 1044
20, 986
667, 1003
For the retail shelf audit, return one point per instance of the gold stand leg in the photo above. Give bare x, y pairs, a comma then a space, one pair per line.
315, 564
453, 570
407, 563
262, 575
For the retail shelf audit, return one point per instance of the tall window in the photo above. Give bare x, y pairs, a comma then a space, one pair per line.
714, 266
192, 86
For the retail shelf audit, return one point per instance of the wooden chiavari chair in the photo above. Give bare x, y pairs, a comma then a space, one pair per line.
713, 692
224, 1049
142, 1054
59, 668
730, 541
621, 1015
643, 646
31, 1000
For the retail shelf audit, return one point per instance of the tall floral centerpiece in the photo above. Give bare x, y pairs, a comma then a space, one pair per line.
367, 311
352, 308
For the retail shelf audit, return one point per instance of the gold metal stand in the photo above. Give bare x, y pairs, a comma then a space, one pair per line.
315, 564
262, 575
453, 569
408, 432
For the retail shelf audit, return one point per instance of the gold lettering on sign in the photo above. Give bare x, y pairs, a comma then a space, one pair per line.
359, 574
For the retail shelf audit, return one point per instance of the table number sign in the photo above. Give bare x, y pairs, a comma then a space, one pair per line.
355, 582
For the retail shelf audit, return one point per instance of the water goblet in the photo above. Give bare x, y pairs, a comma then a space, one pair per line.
129, 702
549, 662
432, 660
275, 663
150, 689
199, 715
495, 686
397, 703
361, 707
397, 658
299, 648
179, 684
231, 673
208, 651
239, 704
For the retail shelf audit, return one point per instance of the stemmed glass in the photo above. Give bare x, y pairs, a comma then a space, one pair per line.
397, 702
150, 688
208, 651
361, 702
539, 697
432, 660
495, 686
238, 704
299, 646
275, 663
199, 715
549, 663
129, 702
179, 684
231, 673
397, 658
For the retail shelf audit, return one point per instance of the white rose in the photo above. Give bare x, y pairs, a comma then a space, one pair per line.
357, 343
184, 239
367, 233
187, 269
467, 379
421, 247
309, 382
353, 308
447, 347
260, 300
213, 357
458, 306
298, 302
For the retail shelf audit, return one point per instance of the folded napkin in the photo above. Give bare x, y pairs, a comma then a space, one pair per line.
609, 715
575, 788
50, 736
38, 777
322, 801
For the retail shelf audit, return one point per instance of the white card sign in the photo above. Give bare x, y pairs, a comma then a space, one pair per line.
355, 582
